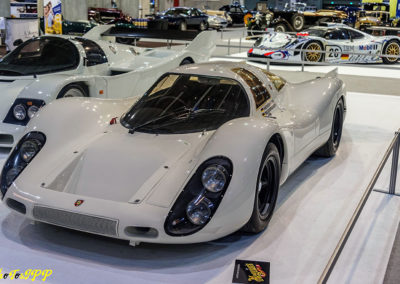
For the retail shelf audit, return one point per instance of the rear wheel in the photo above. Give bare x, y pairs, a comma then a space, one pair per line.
297, 22
267, 190
391, 48
312, 52
331, 146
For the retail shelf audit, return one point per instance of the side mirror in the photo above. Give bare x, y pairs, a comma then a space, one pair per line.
17, 42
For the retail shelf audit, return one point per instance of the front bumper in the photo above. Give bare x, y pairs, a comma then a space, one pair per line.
10, 134
133, 222
217, 25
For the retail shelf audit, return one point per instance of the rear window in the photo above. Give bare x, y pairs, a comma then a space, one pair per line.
278, 82
258, 89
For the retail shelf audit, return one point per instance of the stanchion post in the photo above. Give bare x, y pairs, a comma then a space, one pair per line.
229, 46
268, 65
222, 33
395, 162
240, 45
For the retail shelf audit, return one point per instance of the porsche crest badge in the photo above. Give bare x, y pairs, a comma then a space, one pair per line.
79, 202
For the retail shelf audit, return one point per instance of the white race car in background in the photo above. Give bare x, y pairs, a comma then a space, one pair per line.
201, 155
338, 40
51, 67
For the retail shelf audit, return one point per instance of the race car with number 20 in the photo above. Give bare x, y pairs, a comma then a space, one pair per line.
201, 155
335, 43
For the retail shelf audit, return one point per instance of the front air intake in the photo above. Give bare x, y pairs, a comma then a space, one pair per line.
76, 221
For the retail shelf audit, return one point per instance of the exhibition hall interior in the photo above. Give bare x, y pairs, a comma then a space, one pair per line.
190, 141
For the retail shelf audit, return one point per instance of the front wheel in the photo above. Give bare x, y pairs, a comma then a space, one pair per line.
72, 91
183, 26
332, 145
297, 22
280, 28
203, 26
267, 190
312, 52
391, 48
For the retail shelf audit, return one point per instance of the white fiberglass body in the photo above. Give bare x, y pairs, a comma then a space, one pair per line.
51, 67
93, 174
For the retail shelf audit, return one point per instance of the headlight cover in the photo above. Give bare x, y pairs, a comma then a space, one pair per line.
19, 112
23, 110
200, 198
27, 148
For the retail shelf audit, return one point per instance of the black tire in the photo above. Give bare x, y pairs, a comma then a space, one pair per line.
73, 88
254, 29
186, 61
297, 22
183, 26
123, 40
267, 190
280, 28
310, 56
203, 26
392, 47
332, 145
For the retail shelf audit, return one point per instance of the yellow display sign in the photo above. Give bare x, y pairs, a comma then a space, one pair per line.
393, 8
372, 1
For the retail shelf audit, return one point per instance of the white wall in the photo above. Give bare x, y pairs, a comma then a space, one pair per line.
4, 8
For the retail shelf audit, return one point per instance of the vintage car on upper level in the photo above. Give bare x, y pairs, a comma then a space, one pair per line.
46, 68
330, 43
183, 18
201, 155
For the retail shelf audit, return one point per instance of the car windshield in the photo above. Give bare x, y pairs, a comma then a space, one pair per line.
40, 56
180, 103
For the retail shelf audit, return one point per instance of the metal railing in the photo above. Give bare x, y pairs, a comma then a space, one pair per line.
393, 148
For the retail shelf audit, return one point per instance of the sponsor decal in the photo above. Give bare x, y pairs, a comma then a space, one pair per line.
248, 271
348, 48
79, 202
368, 47
29, 274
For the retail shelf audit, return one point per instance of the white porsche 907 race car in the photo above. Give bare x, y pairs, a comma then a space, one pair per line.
51, 67
201, 155
339, 41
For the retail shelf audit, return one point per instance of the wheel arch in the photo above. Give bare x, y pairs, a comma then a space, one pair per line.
188, 58
83, 84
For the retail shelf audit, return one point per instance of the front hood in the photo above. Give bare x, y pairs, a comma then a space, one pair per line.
10, 88
123, 167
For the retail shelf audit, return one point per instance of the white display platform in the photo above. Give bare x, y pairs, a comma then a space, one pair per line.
313, 209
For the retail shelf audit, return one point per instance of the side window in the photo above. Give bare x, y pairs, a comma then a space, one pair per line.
355, 34
278, 82
94, 54
337, 34
258, 89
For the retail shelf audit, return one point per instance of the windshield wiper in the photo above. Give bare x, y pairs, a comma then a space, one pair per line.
133, 129
189, 114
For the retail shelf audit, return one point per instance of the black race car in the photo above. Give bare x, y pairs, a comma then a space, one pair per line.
184, 18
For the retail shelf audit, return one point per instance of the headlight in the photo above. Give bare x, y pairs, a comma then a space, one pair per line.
214, 178
200, 198
12, 174
32, 110
27, 148
199, 210
19, 112
22, 111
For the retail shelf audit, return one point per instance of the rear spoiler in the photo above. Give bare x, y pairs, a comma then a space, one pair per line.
112, 31
332, 74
